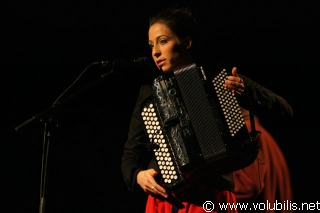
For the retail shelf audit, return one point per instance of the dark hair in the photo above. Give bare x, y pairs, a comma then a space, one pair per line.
179, 19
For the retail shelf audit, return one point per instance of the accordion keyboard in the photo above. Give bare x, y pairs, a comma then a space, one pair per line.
230, 107
163, 155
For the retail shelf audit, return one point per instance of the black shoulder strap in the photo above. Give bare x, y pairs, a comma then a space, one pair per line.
254, 133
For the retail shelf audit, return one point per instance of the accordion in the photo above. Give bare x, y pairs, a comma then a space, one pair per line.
195, 124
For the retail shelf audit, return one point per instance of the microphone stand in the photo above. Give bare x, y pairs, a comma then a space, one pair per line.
47, 117
44, 162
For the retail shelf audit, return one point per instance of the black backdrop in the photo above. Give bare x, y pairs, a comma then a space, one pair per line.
46, 45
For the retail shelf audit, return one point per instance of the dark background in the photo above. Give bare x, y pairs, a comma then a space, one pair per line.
46, 45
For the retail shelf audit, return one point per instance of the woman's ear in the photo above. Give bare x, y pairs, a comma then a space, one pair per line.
188, 44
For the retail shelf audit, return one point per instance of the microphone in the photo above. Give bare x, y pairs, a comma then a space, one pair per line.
121, 65
124, 62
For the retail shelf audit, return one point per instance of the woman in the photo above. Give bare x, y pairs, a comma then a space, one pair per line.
171, 39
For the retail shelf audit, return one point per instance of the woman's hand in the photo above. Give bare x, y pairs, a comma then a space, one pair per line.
234, 82
146, 179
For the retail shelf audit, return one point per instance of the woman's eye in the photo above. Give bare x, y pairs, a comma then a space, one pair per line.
163, 41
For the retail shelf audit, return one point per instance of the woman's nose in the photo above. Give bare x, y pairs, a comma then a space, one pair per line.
156, 51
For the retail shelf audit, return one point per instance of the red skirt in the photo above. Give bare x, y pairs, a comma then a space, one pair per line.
218, 204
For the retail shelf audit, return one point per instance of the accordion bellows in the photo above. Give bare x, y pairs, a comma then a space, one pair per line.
195, 125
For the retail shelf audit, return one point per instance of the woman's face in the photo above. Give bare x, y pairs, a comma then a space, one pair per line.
167, 50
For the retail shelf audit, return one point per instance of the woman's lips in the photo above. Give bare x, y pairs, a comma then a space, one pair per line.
160, 63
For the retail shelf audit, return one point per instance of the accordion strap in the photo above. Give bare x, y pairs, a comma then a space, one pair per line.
253, 133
